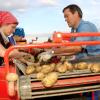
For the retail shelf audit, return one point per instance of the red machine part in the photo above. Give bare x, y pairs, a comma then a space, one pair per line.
59, 37
58, 41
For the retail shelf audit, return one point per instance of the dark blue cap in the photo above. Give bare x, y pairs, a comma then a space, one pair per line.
19, 32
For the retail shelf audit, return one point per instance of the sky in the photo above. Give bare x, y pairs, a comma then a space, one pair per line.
40, 18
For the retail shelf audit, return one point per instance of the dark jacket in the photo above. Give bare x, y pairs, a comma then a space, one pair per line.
5, 46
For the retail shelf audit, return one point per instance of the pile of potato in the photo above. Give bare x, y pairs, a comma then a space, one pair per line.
48, 73
47, 68
45, 73
93, 67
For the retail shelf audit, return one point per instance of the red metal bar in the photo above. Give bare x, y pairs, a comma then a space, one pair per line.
59, 36
82, 34
82, 80
69, 82
46, 45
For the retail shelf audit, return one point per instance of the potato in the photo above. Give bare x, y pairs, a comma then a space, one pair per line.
30, 69
90, 65
40, 75
50, 79
46, 69
52, 67
95, 68
75, 66
82, 65
38, 68
57, 65
62, 68
69, 66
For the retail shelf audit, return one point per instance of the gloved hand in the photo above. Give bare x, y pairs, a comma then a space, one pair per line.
45, 56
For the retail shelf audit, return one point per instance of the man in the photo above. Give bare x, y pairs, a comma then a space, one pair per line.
73, 16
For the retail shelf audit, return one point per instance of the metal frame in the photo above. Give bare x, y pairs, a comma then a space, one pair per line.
63, 36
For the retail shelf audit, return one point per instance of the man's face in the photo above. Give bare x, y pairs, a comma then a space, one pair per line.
70, 18
9, 28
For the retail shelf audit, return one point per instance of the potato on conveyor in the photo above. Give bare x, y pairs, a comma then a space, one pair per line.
30, 69
75, 66
95, 68
90, 65
62, 68
40, 75
52, 67
82, 65
38, 68
46, 69
69, 66
50, 79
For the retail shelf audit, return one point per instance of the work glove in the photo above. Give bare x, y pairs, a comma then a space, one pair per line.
45, 56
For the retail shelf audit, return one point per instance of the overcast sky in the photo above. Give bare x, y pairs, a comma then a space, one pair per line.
42, 17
